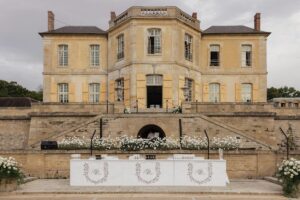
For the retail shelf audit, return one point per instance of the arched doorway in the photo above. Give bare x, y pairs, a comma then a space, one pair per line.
151, 131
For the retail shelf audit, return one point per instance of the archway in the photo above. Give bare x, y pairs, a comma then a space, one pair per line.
150, 131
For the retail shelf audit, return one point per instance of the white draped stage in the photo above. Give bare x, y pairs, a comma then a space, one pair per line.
169, 172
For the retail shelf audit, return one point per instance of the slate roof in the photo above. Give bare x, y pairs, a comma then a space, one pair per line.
232, 30
16, 101
92, 30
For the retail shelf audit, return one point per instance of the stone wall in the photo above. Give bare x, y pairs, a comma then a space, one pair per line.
55, 164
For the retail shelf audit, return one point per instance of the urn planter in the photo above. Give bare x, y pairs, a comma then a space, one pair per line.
8, 184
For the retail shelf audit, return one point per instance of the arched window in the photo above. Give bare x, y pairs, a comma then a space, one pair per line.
214, 92
154, 41
246, 92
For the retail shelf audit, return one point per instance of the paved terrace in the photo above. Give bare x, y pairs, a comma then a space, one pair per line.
56, 189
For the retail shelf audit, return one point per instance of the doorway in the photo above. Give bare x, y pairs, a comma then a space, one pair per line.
154, 96
154, 91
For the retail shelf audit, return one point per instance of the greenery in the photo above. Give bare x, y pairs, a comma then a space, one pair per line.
282, 92
289, 176
10, 169
13, 89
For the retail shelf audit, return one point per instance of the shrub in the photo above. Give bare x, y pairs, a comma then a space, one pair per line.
10, 169
289, 175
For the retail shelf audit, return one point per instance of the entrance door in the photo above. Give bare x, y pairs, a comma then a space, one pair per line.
154, 96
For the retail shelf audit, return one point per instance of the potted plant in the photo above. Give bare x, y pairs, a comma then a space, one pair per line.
289, 176
10, 174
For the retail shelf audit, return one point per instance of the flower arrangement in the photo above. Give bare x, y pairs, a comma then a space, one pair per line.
193, 143
289, 175
127, 143
225, 143
73, 142
10, 169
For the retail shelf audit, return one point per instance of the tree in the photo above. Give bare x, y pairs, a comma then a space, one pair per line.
13, 89
282, 92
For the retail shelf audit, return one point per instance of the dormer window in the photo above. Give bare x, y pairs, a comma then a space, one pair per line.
154, 41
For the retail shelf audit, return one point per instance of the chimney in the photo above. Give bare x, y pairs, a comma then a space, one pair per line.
50, 21
257, 21
113, 15
194, 15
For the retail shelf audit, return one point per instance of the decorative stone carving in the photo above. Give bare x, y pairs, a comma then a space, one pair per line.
143, 175
200, 172
100, 174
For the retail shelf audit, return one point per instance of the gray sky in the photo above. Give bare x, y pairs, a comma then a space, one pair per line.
21, 57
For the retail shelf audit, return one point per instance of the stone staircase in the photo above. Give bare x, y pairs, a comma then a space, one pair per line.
111, 125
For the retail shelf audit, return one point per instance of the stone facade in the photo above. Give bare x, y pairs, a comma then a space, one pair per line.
172, 61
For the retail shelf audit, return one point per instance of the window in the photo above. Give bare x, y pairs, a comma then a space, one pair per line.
120, 89
246, 55
189, 89
63, 55
214, 55
154, 80
94, 92
214, 92
246, 92
94, 55
188, 47
120, 54
154, 41
63, 92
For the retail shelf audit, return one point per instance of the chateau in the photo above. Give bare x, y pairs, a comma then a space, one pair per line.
129, 79
154, 57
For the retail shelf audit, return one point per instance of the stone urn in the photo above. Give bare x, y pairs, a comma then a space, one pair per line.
8, 184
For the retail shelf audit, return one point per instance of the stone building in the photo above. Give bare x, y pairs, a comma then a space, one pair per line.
151, 59
154, 57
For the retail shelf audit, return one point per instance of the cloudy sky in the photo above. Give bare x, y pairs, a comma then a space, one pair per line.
21, 47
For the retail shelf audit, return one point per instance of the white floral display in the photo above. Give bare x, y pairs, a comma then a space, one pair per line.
10, 168
289, 176
129, 143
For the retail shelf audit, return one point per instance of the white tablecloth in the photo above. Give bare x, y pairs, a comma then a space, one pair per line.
148, 172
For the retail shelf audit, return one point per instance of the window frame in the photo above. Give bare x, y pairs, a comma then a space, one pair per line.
189, 83
157, 41
117, 81
188, 47
215, 62
94, 95
63, 55
245, 94
246, 62
63, 92
120, 47
94, 55
214, 94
